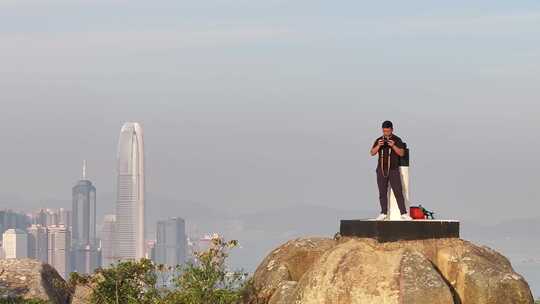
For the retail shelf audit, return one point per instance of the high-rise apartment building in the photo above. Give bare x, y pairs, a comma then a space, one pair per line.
38, 243
15, 244
59, 245
108, 233
170, 248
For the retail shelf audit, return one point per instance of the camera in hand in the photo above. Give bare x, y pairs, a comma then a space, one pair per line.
385, 140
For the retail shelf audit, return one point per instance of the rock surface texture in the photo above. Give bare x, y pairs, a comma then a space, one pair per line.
32, 279
364, 271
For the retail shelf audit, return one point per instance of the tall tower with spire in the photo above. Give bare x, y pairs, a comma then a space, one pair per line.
83, 234
130, 213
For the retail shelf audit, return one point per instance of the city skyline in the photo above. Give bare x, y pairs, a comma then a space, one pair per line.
68, 240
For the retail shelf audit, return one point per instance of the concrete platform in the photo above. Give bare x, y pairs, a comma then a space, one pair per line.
388, 231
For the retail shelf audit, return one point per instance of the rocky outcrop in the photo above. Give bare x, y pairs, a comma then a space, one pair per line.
32, 279
286, 265
362, 270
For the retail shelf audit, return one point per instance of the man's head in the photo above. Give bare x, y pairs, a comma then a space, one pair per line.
387, 128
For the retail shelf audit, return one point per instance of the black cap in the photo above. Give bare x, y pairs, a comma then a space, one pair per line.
387, 124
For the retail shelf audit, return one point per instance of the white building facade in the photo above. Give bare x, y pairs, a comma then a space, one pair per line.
108, 234
15, 244
59, 247
130, 222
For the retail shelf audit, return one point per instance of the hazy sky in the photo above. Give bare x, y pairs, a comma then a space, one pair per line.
252, 105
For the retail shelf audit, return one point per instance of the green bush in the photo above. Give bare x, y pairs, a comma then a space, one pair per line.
125, 283
205, 281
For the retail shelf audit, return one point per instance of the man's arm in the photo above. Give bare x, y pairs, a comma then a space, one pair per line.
376, 146
399, 151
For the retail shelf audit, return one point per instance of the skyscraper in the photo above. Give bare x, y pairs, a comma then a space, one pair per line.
38, 243
130, 193
15, 244
108, 233
64, 218
13, 219
59, 238
170, 246
83, 232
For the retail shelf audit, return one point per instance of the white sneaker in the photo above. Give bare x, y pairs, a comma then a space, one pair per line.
381, 217
406, 217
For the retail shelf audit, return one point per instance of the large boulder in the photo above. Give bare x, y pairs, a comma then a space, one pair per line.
362, 270
286, 265
32, 279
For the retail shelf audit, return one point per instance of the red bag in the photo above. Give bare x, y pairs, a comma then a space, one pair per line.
417, 213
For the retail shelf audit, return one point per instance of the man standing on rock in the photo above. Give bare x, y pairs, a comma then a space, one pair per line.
390, 148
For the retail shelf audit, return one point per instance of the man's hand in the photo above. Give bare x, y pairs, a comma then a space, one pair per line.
391, 143
376, 148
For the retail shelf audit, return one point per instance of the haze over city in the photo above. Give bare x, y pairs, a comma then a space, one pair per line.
258, 117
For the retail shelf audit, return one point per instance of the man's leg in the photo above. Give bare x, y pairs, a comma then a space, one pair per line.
382, 182
395, 183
